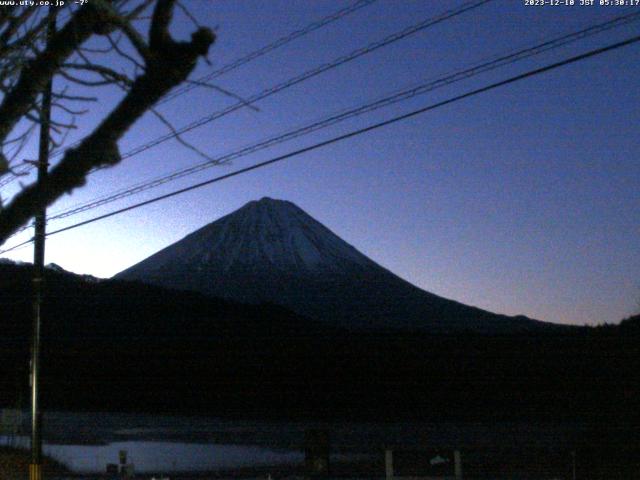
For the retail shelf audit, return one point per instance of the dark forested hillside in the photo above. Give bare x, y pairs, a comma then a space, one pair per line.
113, 345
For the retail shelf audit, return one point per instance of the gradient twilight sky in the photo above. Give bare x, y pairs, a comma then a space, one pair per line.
522, 200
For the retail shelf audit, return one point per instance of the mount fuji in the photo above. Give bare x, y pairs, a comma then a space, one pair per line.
271, 251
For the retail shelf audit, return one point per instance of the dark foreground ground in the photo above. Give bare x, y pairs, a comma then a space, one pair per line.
121, 346
114, 346
14, 464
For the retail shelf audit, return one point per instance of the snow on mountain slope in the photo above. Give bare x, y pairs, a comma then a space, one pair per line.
272, 251
276, 234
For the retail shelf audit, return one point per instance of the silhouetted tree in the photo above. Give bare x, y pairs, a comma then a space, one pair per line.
155, 63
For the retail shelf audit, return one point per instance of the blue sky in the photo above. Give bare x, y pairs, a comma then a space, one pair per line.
522, 200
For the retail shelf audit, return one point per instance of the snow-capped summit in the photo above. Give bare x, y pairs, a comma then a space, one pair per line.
276, 234
272, 251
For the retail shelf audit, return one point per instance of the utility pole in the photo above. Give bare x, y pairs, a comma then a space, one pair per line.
35, 467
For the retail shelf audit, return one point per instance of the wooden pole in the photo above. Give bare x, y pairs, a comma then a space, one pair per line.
35, 468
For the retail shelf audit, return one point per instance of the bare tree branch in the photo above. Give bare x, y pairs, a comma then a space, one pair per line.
105, 72
14, 24
226, 92
35, 75
180, 139
167, 64
115, 45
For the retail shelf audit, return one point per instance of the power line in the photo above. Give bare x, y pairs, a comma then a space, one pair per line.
309, 74
17, 247
257, 53
268, 48
305, 76
12, 176
280, 42
369, 107
530, 73
418, 27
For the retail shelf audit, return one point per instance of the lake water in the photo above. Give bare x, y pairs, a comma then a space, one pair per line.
87, 442
157, 456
